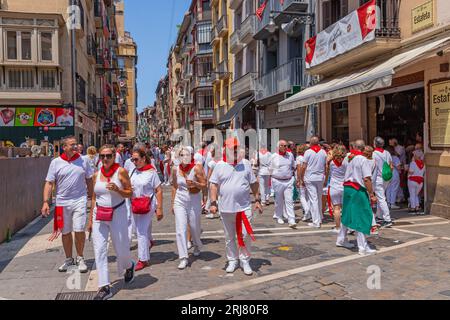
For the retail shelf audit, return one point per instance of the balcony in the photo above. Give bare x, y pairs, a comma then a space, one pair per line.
223, 69
248, 29
101, 108
202, 82
187, 48
235, 42
280, 80
214, 36
92, 49
234, 4
222, 26
243, 86
387, 39
204, 114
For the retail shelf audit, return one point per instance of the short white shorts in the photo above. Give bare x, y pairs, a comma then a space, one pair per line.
337, 196
75, 217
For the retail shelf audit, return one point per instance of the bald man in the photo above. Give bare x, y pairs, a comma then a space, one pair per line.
282, 166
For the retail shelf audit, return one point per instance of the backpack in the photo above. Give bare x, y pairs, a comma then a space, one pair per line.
387, 172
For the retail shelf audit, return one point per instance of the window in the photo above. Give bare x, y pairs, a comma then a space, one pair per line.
46, 46
333, 11
20, 79
339, 118
205, 5
11, 43
48, 79
26, 45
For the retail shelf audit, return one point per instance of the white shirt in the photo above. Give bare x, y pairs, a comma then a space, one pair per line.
70, 179
316, 164
119, 159
129, 166
282, 167
92, 162
396, 162
234, 186
264, 163
380, 158
144, 183
358, 169
337, 175
198, 158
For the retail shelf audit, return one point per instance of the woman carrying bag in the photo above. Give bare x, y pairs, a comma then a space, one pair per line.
147, 198
188, 182
109, 217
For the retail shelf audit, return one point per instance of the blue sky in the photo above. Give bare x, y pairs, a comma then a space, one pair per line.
153, 25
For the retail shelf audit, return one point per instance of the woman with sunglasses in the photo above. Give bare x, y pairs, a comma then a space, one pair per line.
188, 182
109, 217
147, 198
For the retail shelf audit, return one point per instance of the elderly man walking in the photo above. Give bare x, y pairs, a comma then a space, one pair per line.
282, 167
312, 176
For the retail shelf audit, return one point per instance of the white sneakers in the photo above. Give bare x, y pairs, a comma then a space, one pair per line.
313, 225
232, 266
280, 221
183, 264
395, 207
245, 265
367, 252
345, 244
189, 245
82, 267
335, 230
293, 225
66, 265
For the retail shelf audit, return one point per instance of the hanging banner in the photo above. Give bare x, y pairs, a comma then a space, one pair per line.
260, 10
348, 33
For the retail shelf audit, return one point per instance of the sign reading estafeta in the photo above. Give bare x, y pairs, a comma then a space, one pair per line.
422, 17
440, 114
348, 33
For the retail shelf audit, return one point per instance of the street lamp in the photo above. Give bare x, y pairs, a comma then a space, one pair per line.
300, 17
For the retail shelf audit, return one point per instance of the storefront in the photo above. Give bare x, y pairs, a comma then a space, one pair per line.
291, 124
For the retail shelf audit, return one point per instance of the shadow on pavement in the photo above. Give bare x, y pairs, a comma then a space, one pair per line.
162, 257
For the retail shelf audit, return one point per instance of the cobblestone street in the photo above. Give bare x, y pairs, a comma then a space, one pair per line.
289, 264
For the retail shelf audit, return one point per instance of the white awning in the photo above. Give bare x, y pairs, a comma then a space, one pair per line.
369, 79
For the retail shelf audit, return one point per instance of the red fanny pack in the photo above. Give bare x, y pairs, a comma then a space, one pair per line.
141, 205
106, 213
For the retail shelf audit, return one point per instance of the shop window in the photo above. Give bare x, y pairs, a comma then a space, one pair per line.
333, 11
339, 118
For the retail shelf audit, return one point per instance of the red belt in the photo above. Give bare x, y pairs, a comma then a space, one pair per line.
416, 179
353, 185
241, 217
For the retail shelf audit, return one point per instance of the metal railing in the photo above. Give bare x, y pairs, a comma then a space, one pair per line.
280, 79
389, 19
248, 28
244, 85
222, 23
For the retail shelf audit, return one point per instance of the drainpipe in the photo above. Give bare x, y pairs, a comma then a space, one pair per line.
73, 64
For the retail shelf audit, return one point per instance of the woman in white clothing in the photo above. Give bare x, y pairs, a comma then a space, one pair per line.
188, 182
301, 189
147, 198
416, 174
109, 217
336, 172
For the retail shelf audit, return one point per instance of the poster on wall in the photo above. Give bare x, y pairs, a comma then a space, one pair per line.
440, 114
348, 33
45, 117
24, 117
64, 117
7, 117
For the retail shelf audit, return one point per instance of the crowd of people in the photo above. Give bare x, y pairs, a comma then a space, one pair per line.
358, 186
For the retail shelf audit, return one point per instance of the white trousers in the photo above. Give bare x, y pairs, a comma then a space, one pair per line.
166, 174
131, 225
392, 190
188, 213
143, 227
264, 187
118, 229
284, 199
304, 201
314, 191
382, 206
414, 190
360, 238
229, 225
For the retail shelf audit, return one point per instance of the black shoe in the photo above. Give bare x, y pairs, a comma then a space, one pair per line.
129, 274
104, 293
386, 224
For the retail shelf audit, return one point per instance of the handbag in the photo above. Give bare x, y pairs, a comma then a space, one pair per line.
106, 213
141, 205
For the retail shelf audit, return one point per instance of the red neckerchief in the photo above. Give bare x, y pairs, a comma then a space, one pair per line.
337, 163
225, 159
282, 153
420, 164
74, 157
289, 150
202, 152
108, 174
379, 150
146, 168
241, 218
187, 168
316, 148
353, 154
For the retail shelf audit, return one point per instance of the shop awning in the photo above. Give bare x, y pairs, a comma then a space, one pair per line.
238, 107
369, 79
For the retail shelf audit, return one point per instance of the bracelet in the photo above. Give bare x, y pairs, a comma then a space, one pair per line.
213, 204
258, 200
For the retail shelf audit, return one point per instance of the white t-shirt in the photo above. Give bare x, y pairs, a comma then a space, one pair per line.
144, 183
129, 166
119, 159
358, 169
380, 158
264, 163
282, 167
212, 164
234, 186
337, 175
70, 179
198, 158
92, 162
401, 153
316, 164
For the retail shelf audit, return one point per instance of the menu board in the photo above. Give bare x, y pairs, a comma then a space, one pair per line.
440, 114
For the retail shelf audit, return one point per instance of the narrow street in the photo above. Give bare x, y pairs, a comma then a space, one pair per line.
302, 264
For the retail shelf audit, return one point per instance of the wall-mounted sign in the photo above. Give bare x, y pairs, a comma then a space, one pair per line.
440, 114
422, 17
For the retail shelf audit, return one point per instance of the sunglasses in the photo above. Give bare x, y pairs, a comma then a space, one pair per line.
106, 156
134, 160
283, 145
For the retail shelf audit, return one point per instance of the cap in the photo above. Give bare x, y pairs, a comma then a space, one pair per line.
232, 143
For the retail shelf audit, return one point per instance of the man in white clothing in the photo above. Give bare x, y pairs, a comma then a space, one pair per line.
232, 181
312, 176
282, 167
120, 155
263, 164
382, 159
72, 177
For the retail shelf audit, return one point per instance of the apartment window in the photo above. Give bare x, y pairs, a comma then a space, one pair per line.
238, 18
226, 94
20, 79
333, 11
26, 45
48, 79
239, 66
204, 33
205, 5
11, 43
81, 89
46, 46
